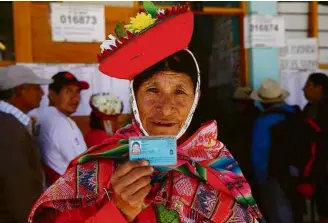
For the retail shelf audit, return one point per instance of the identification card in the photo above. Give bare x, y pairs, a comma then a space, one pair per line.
158, 151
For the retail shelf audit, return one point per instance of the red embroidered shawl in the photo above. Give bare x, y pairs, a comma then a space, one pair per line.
207, 181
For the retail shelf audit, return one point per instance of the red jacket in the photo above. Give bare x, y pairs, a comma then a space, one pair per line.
95, 137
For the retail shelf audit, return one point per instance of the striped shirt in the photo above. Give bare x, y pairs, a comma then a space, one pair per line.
5, 107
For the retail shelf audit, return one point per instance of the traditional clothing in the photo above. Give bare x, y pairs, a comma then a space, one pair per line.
206, 185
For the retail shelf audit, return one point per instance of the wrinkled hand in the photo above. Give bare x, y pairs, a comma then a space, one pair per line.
131, 184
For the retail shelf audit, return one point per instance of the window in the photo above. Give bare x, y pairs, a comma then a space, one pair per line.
296, 18
318, 27
307, 19
323, 33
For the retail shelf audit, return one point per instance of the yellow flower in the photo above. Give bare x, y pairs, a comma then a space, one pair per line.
140, 22
2, 46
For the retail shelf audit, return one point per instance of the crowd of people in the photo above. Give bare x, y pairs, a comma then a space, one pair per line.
51, 172
282, 149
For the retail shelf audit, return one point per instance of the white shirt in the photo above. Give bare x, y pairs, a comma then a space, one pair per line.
59, 138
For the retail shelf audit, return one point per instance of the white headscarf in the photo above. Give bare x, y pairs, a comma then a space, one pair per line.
191, 112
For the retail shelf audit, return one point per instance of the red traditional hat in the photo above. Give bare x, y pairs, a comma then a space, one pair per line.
149, 38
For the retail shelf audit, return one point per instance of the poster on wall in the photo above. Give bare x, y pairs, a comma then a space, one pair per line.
297, 61
99, 83
299, 54
77, 22
264, 31
293, 82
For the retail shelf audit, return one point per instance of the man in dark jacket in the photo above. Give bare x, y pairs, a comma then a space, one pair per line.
21, 177
245, 116
316, 92
272, 199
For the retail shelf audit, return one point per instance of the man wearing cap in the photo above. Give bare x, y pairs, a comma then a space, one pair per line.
59, 137
21, 177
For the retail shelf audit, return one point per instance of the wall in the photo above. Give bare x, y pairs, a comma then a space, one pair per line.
47, 51
108, 3
323, 34
33, 35
263, 62
296, 16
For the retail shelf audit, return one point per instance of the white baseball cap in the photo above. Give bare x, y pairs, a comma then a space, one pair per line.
15, 75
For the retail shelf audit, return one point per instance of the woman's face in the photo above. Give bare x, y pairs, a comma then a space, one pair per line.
164, 102
136, 147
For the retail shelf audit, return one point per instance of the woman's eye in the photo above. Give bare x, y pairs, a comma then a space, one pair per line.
180, 92
153, 90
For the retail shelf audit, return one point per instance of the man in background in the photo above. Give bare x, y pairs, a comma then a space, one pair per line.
21, 178
273, 200
316, 92
59, 137
246, 114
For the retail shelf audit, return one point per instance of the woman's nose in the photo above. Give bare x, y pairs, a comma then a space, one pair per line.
166, 105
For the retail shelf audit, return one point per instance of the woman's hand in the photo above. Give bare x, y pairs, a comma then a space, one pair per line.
131, 184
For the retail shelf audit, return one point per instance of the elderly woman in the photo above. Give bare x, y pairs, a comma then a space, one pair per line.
101, 185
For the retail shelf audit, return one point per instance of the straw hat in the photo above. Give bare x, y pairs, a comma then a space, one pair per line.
270, 92
242, 93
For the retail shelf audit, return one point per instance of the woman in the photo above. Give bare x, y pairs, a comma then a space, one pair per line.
205, 186
103, 118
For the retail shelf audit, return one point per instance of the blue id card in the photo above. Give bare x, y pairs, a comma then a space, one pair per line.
158, 151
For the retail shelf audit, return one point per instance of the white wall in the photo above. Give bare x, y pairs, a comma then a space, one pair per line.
296, 22
107, 3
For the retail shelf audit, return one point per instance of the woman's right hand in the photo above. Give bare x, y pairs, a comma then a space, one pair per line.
131, 184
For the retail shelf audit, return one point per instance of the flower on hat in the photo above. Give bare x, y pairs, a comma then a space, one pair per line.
110, 43
107, 104
140, 22
2, 46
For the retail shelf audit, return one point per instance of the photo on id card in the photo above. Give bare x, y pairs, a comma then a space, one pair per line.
158, 150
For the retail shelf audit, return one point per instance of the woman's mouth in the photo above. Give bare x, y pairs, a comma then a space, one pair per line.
164, 123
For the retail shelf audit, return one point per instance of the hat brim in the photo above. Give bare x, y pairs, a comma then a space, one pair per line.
256, 97
165, 38
242, 93
83, 85
242, 96
40, 81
